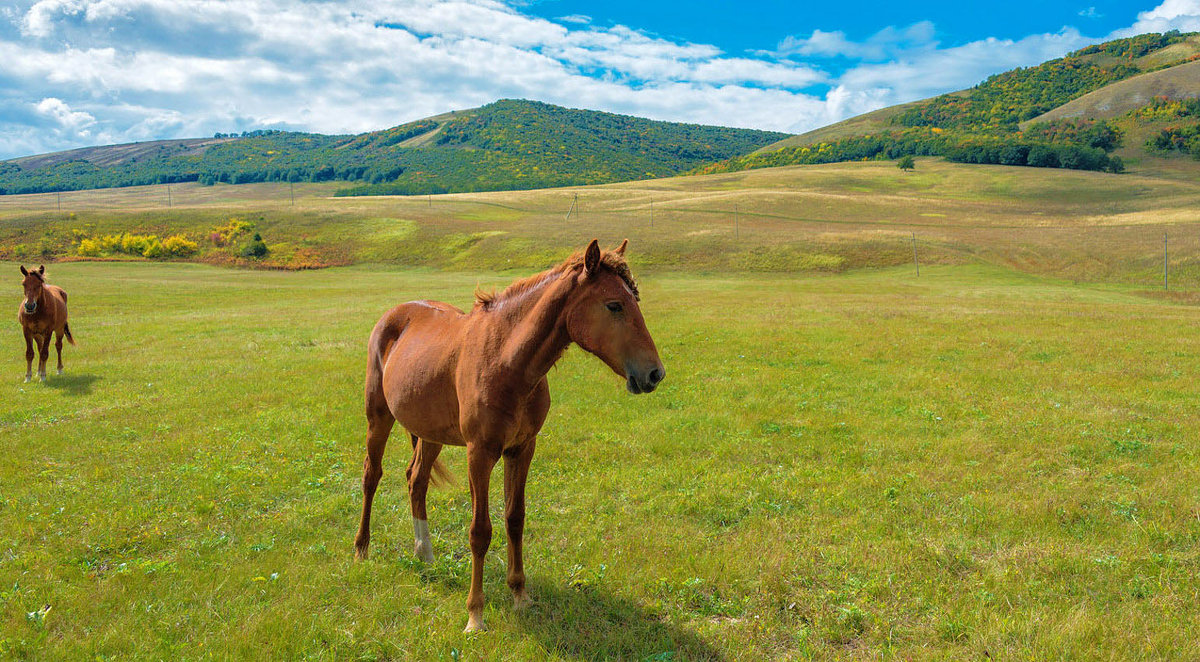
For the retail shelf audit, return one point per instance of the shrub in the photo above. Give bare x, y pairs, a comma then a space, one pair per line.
153, 248
256, 248
89, 247
224, 235
180, 246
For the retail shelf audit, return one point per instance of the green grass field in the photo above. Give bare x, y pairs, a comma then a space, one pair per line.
973, 464
1082, 226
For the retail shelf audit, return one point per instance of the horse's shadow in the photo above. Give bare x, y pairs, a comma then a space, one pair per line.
72, 384
592, 624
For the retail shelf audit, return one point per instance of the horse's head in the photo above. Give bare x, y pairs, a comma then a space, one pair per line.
603, 317
33, 283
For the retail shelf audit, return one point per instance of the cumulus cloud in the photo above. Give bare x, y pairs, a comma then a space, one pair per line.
83, 72
1183, 15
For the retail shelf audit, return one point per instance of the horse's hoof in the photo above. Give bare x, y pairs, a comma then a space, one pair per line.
60, 372
360, 553
424, 552
521, 601
28, 379
475, 625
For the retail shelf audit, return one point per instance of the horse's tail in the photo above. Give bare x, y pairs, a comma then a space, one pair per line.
67, 333
439, 475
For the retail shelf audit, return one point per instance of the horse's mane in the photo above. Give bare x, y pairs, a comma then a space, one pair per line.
609, 260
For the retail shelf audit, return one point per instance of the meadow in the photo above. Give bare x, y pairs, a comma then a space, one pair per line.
1081, 226
979, 462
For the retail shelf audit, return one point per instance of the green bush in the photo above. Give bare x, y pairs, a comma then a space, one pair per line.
256, 248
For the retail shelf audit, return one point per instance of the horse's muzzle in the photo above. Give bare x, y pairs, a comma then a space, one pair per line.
645, 382
30, 307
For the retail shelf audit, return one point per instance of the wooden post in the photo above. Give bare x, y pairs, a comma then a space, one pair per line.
59, 197
431, 201
736, 233
916, 263
292, 192
168, 195
1165, 285
651, 212
572, 209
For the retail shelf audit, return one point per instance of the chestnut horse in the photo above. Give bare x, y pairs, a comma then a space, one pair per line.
42, 314
478, 380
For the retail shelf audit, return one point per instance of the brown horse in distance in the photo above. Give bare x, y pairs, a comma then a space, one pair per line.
42, 314
478, 380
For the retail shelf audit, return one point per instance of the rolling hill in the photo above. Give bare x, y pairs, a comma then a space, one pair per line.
509, 144
1081, 111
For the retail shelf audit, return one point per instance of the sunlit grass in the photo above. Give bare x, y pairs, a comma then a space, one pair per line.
1083, 226
853, 466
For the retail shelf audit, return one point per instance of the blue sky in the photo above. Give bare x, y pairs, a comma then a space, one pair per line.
86, 72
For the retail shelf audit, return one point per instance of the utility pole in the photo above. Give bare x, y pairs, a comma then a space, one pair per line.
915, 262
574, 200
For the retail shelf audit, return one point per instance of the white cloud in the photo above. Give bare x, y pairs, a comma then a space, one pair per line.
888, 42
61, 113
92, 71
1183, 15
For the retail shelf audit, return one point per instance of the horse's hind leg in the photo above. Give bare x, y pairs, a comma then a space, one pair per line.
379, 426
58, 346
29, 353
425, 454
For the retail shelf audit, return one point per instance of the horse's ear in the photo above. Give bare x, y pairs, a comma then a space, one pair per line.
42, 269
620, 250
591, 257
24, 271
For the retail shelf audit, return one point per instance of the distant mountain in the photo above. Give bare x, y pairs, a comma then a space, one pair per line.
1080, 111
509, 144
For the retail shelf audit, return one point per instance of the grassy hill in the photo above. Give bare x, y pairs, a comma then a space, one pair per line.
510, 144
828, 218
1117, 99
1068, 112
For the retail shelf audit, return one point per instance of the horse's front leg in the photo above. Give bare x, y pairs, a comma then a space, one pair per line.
29, 353
480, 461
43, 355
516, 471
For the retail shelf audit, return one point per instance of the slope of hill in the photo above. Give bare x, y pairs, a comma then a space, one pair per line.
1111, 101
1054, 110
509, 144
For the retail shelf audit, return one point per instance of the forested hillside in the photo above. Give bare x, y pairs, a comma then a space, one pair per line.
990, 123
510, 144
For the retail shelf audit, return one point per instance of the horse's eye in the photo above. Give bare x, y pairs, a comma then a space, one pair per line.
614, 306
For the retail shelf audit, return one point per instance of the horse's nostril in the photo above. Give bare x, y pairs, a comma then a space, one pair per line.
656, 375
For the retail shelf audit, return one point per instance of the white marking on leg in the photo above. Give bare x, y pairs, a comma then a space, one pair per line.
423, 546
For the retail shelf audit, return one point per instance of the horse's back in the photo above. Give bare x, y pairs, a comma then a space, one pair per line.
413, 356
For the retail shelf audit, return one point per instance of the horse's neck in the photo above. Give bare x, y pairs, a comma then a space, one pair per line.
537, 335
